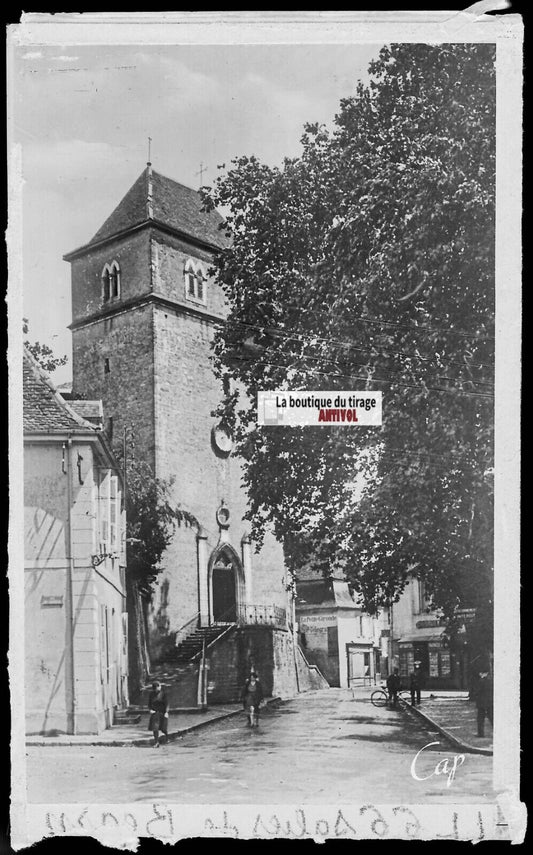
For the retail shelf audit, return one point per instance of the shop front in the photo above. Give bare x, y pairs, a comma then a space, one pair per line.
441, 662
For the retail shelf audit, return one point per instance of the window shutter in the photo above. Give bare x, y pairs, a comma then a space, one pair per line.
104, 514
113, 514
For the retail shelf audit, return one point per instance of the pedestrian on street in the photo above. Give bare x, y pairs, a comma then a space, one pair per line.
251, 696
484, 701
393, 687
415, 684
158, 706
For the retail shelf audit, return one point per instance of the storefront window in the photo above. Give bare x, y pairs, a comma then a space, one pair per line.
407, 658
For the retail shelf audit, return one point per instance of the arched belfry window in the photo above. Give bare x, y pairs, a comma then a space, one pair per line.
190, 278
195, 282
111, 282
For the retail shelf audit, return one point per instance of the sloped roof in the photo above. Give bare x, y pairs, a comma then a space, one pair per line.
325, 592
315, 592
44, 410
91, 411
342, 594
153, 196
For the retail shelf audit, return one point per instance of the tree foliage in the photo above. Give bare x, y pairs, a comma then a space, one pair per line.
368, 263
43, 354
151, 519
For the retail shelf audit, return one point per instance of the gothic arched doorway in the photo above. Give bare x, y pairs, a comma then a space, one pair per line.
225, 586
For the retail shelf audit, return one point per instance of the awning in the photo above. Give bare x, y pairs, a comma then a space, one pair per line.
429, 633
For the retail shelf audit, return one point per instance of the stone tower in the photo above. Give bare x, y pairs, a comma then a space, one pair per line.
144, 313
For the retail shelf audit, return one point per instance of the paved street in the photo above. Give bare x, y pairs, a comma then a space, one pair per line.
323, 747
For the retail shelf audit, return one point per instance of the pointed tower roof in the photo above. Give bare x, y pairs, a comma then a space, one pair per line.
156, 199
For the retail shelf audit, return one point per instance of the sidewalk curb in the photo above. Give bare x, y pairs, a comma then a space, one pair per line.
464, 746
136, 741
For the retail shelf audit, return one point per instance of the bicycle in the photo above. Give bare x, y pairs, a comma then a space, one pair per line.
380, 697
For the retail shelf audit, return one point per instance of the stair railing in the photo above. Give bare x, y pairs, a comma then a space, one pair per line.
186, 629
223, 618
207, 645
250, 614
311, 665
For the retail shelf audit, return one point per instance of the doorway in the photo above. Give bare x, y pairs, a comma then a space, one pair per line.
359, 666
224, 591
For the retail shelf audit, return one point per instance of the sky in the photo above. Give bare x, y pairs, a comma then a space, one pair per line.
82, 117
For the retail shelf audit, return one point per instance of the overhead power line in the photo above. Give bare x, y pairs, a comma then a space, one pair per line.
373, 379
381, 369
367, 319
276, 332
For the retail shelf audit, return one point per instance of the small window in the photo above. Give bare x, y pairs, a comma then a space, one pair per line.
109, 429
195, 282
111, 282
107, 365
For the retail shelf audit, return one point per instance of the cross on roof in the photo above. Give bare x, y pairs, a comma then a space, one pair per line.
201, 172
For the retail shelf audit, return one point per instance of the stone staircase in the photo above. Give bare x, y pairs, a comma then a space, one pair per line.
130, 715
191, 647
179, 680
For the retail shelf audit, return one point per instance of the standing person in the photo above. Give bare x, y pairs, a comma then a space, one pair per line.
393, 687
484, 701
415, 684
251, 696
158, 706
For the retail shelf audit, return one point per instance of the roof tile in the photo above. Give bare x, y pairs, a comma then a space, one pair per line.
43, 407
173, 204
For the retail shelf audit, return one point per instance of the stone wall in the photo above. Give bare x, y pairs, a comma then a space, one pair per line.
169, 256
310, 678
186, 392
267, 650
151, 367
133, 256
124, 383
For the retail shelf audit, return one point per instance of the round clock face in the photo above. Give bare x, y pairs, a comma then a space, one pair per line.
222, 439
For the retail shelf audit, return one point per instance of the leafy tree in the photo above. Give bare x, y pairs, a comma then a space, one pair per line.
368, 263
42, 353
151, 521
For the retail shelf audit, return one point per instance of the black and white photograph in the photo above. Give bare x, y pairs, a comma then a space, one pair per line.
264, 356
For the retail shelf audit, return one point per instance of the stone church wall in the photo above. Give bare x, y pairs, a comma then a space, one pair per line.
133, 256
186, 393
169, 257
151, 366
269, 651
126, 389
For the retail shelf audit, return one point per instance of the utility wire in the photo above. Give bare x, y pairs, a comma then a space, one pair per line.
302, 336
368, 379
372, 379
392, 355
411, 327
386, 447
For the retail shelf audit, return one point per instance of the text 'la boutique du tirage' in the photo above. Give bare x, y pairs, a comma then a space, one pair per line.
278, 408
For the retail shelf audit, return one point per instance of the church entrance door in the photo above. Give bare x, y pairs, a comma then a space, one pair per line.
224, 593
